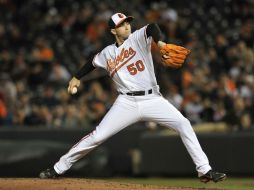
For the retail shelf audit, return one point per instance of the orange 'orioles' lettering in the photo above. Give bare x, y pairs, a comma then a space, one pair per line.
114, 65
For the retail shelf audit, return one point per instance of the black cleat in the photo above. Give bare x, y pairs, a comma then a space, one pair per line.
49, 173
212, 175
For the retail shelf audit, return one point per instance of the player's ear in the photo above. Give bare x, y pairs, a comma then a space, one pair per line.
113, 31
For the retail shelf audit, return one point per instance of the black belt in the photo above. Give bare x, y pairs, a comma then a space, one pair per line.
138, 93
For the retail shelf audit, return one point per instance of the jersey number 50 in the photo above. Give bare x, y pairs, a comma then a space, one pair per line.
135, 67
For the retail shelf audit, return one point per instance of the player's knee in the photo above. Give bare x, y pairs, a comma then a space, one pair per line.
184, 125
98, 138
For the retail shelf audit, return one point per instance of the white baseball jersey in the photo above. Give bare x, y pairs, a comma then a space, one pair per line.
130, 65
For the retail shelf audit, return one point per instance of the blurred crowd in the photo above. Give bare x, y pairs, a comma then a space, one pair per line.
44, 42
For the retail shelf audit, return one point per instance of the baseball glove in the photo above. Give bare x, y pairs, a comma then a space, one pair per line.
173, 55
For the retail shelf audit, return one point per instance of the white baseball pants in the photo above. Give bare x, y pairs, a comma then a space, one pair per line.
128, 110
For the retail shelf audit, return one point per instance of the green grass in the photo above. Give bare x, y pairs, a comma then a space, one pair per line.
228, 184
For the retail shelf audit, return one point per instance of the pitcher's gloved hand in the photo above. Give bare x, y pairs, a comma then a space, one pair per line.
173, 55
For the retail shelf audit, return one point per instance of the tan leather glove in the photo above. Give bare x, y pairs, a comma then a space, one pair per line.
173, 55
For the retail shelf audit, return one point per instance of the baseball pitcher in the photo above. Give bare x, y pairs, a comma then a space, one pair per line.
129, 63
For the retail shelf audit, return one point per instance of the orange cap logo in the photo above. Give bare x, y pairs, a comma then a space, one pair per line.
120, 15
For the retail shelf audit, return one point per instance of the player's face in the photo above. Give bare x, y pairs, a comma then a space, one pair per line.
123, 30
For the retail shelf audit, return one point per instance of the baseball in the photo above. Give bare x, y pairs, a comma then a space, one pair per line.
74, 90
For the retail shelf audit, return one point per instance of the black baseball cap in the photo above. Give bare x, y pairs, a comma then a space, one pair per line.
118, 18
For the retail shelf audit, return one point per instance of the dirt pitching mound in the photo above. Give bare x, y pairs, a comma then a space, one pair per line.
76, 184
